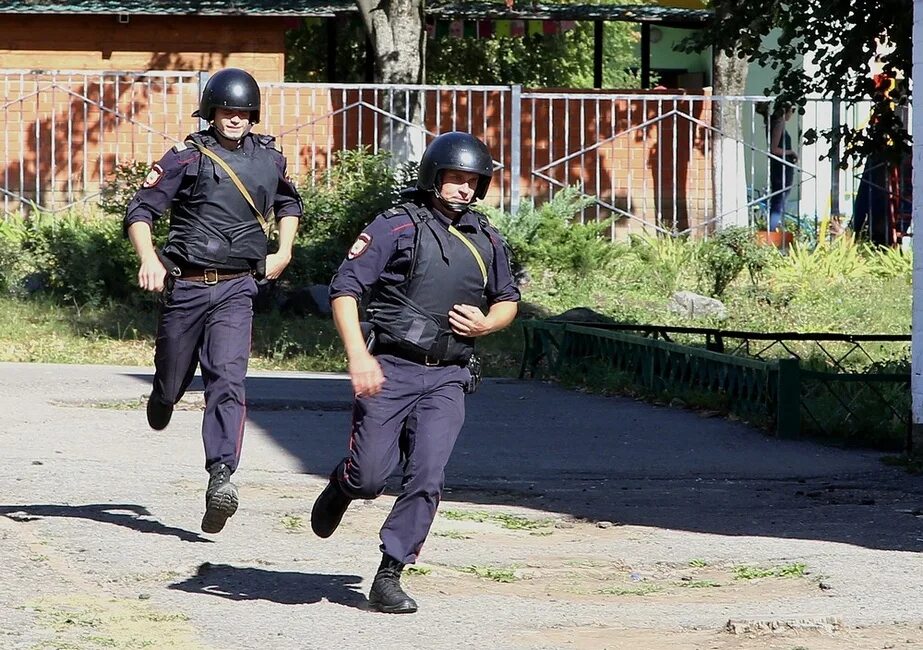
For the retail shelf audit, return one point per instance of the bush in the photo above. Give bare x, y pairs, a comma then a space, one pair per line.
117, 193
728, 252
548, 235
336, 209
73, 257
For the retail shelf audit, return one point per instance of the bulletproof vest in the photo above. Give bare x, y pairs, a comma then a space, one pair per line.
444, 272
215, 226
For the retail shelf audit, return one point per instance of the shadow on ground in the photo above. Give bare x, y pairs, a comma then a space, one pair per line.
284, 587
120, 514
530, 444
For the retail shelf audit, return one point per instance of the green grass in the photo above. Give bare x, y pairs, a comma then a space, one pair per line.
43, 331
643, 590
697, 563
293, 523
450, 534
414, 570
698, 584
747, 572
505, 520
497, 574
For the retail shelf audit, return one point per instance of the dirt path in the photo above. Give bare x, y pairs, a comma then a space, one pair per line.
572, 521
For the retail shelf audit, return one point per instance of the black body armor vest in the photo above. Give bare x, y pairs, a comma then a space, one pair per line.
444, 272
215, 226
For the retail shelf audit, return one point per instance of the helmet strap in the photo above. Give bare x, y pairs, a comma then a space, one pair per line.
451, 206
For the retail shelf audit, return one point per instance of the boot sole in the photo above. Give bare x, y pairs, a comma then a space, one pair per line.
158, 419
325, 529
378, 607
220, 507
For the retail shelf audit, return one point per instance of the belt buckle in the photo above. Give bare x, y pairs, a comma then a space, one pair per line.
430, 361
214, 276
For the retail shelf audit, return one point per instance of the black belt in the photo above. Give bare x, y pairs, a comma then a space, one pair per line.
413, 356
210, 276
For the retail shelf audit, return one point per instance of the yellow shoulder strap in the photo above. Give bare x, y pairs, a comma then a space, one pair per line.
240, 186
474, 251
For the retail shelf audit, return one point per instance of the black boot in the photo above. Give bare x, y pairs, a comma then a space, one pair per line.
221, 499
328, 509
159, 412
386, 594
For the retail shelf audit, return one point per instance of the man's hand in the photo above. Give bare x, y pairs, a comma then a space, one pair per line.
365, 374
276, 263
468, 320
152, 274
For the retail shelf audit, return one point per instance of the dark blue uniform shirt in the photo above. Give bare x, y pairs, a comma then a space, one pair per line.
173, 177
384, 252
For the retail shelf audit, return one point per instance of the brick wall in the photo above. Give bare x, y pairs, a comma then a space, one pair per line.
91, 42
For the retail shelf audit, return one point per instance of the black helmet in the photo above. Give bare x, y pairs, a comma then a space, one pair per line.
230, 88
455, 150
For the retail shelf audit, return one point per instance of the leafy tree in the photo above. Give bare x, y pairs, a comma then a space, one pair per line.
543, 60
539, 60
842, 37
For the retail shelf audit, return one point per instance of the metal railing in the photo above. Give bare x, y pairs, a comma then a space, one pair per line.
654, 162
778, 386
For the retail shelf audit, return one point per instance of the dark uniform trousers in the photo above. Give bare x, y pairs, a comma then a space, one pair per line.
208, 325
415, 420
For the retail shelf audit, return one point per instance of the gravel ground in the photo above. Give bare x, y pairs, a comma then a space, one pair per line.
571, 521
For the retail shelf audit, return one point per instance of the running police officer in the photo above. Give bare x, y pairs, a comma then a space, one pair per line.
428, 266
222, 185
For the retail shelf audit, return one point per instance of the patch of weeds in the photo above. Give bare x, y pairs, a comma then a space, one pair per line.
418, 570
462, 515
642, 590
516, 522
161, 617
794, 570
699, 584
104, 641
698, 564
505, 519
911, 464
39, 558
451, 534
497, 574
293, 523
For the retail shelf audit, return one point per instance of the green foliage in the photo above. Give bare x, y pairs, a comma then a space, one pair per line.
550, 235
337, 207
13, 264
306, 51
728, 252
539, 61
745, 572
842, 38
544, 60
659, 262
119, 190
76, 258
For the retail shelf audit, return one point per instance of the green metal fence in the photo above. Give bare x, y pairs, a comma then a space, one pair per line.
781, 393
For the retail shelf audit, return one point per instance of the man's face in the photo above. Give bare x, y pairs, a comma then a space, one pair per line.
232, 123
458, 186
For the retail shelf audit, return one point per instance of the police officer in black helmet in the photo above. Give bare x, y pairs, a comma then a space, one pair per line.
223, 186
436, 276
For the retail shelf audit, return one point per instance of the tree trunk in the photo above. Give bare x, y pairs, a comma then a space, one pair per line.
728, 167
399, 39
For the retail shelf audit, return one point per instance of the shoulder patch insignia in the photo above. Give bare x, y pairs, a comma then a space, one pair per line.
359, 246
153, 177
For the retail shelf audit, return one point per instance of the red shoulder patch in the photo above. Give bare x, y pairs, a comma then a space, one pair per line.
359, 246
